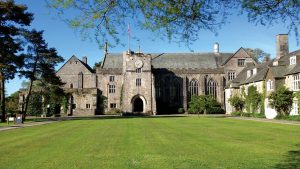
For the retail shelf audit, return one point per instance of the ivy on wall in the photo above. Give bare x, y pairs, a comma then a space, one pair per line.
252, 99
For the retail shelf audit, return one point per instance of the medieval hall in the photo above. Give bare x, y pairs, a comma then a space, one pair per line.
157, 83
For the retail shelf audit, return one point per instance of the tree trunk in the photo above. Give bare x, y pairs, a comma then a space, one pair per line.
27, 99
2, 97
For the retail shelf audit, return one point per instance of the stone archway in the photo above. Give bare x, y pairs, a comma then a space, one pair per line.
138, 105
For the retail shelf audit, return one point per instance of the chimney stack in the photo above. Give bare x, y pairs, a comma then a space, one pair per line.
84, 59
216, 48
282, 45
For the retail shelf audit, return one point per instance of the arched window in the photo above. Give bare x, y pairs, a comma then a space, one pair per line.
71, 86
211, 88
175, 90
158, 88
193, 88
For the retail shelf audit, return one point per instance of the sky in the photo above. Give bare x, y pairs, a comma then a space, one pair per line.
235, 34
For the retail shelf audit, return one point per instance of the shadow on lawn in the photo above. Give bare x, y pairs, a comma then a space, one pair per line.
291, 159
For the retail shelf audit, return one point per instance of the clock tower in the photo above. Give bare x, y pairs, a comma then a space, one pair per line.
138, 84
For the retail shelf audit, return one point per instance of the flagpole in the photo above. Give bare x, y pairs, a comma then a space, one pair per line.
128, 31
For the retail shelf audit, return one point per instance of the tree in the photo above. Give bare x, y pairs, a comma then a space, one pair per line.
282, 100
258, 54
12, 103
179, 20
13, 18
237, 102
40, 62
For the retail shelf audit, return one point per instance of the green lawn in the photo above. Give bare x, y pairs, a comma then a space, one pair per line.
173, 142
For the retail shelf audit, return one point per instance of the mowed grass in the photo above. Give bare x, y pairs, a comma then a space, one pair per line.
173, 142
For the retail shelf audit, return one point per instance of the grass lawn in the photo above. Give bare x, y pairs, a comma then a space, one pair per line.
173, 142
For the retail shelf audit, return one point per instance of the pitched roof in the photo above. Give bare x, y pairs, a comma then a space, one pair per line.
173, 60
236, 53
75, 58
113, 61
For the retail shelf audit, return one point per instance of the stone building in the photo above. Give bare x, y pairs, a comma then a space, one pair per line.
284, 70
149, 83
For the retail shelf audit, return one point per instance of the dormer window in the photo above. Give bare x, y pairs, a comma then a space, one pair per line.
254, 71
292, 60
241, 62
249, 73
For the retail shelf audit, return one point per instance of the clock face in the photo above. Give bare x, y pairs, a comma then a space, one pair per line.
138, 64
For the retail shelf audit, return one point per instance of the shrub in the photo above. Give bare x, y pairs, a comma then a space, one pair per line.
282, 100
204, 104
237, 102
114, 111
181, 110
236, 113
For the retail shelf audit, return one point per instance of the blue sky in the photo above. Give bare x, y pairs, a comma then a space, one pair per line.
238, 33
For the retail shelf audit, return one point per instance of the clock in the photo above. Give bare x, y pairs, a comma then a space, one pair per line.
138, 64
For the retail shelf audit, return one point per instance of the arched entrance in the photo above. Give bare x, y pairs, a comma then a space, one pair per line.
138, 105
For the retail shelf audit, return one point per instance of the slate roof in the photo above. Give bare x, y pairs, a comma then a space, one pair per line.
113, 61
174, 60
74, 57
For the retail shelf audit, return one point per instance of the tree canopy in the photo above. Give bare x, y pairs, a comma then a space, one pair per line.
177, 20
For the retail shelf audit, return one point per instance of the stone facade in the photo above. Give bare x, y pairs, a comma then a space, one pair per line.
284, 70
149, 83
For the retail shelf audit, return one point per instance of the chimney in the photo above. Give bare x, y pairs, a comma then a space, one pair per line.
282, 45
84, 59
216, 47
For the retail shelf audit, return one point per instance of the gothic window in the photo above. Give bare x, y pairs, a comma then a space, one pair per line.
111, 78
157, 88
231, 75
138, 70
138, 82
211, 88
175, 90
111, 88
193, 88
296, 80
241, 62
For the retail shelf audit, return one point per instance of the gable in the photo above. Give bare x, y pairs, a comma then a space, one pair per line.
73, 66
240, 54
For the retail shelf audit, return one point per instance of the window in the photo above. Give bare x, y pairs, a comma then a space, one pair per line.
88, 106
241, 62
73, 106
296, 82
111, 88
71, 85
193, 88
138, 70
111, 78
211, 88
76, 62
231, 75
293, 60
138, 82
113, 105
269, 85
175, 91
158, 88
